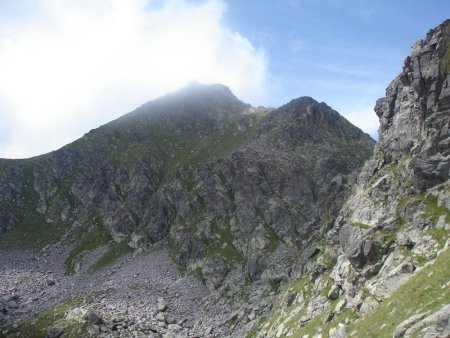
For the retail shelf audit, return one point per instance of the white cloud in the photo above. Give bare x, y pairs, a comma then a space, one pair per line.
365, 119
79, 63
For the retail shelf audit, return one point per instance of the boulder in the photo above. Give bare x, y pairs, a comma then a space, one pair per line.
162, 305
291, 298
368, 305
363, 251
215, 271
54, 332
406, 324
93, 317
338, 332
334, 292
161, 317
276, 279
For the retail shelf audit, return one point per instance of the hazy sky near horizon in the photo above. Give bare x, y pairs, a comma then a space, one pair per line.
68, 66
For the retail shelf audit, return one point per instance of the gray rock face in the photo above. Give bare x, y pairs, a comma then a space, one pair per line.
410, 168
391, 228
214, 271
238, 195
183, 169
414, 115
401, 194
361, 252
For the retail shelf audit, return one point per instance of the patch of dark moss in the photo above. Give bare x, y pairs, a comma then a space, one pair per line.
87, 241
115, 251
55, 317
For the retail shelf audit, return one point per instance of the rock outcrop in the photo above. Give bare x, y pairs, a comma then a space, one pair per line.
390, 239
218, 181
403, 190
273, 209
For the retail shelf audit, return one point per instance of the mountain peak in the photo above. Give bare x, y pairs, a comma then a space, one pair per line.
215, 88
195, 98
195, 91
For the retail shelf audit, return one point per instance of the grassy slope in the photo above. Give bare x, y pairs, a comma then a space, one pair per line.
32, 231
55, 317
427, 290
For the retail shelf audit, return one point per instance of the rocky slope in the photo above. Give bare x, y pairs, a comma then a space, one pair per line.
273, 212
390, 274
233, 192
193, 168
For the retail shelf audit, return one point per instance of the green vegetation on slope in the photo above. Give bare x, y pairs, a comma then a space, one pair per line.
32, 232
56, 317
115, 251
430, 289
88, 241
432, 212
223, 244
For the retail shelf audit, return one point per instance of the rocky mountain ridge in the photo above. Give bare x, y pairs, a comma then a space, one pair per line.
272, 210
390, 240
145, 177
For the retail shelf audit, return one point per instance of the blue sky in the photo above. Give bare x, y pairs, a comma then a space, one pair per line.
343, 52
68, 66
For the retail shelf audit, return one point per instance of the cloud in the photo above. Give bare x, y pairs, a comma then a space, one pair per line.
365, 119
74, 65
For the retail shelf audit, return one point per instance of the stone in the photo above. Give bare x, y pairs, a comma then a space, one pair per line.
291, 298
371, 270
93, 317
328, 317
334, 292
368, 305
174, 328
342, 270
436, 324
340, 305
160, 317
315, 306
338, 332
406, 324
214, 271
162, 305
277, 279
398, 274
361, 252
171, 319
54, 332
441, 222
93, 330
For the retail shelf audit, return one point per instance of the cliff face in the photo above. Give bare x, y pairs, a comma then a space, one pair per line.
108, 178
272, 209
222, 183
398, 217
412, 157
273, 193
414, 113
389, 244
